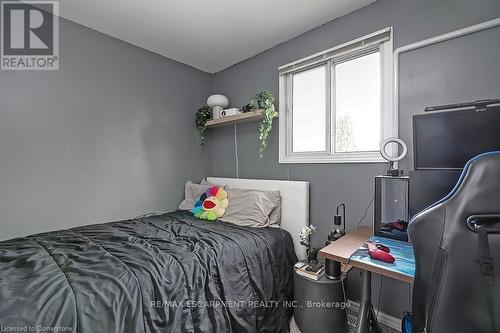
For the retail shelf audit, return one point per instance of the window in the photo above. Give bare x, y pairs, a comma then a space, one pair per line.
309, 118
337, 103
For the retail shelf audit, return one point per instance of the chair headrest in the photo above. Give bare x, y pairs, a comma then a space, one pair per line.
479, 178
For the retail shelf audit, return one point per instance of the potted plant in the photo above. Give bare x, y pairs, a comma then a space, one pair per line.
203, 115
264, 101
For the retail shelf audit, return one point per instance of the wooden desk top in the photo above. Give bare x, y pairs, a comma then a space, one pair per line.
344, 248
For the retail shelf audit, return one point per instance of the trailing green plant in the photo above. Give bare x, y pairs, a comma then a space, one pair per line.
264, 101
202, 116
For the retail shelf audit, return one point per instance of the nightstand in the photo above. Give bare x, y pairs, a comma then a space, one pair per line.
320, 305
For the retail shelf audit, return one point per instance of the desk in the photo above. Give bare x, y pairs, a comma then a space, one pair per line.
345, 251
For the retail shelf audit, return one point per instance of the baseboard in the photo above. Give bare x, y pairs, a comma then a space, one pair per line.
383, 318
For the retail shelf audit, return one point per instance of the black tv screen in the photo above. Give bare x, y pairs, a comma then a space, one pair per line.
447, 140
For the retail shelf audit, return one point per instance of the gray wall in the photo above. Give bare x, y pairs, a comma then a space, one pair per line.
109, 136
460, 70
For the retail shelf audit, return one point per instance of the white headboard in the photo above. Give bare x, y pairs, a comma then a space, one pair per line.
294, 202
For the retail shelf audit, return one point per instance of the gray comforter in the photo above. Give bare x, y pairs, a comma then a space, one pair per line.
168, 273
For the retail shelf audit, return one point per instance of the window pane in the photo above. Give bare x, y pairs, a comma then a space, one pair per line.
357, 104
309, 110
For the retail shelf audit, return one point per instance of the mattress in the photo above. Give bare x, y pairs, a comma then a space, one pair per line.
167, 273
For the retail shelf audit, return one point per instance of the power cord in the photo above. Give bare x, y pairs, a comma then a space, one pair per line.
236, 153
410, 295
370, 203
379, 294
366, 212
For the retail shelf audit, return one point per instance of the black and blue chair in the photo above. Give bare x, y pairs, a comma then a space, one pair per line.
457, 252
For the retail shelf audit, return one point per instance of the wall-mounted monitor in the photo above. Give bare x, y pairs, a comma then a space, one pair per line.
447, 140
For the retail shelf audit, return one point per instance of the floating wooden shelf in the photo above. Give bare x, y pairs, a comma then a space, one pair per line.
238, 119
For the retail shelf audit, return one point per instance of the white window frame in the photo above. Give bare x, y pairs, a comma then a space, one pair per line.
380, 41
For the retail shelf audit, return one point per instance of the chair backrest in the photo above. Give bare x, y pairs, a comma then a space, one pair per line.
449, 292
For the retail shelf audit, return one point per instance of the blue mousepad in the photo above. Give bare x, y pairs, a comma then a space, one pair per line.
402, 251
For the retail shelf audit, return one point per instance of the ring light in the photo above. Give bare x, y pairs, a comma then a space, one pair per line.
390, 158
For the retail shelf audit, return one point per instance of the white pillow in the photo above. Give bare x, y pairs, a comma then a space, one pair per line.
252, 208
192, 193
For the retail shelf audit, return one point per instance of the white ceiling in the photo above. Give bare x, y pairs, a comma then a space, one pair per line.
207, 34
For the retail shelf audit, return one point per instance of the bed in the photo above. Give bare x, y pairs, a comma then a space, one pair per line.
164, 273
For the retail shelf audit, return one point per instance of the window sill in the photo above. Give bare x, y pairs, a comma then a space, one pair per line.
374, 157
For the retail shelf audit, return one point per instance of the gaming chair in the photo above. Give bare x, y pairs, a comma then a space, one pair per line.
457, 252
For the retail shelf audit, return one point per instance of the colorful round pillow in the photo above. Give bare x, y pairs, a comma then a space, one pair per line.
212, 204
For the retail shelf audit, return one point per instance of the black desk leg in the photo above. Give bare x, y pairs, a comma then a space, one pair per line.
367, 321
